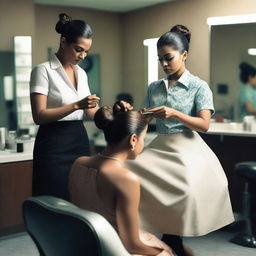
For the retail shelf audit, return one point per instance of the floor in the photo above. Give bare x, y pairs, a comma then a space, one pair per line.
214, 244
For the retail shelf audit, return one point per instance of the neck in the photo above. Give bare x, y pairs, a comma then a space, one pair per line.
116, 152
175, 77
61, 58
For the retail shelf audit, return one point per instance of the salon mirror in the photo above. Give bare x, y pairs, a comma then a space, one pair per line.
15, 68
229, 47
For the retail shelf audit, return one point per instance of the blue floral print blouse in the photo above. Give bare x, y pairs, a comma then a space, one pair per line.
189, 95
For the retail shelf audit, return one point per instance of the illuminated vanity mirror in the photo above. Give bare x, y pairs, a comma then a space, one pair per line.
231, 37
15, 68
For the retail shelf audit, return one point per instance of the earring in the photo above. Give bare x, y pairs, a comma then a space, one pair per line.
132, 148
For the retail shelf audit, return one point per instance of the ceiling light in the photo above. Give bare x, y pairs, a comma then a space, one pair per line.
236, 19
252, 51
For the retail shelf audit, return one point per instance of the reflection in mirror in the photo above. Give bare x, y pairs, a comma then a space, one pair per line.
229, 47
15, 68
8, 116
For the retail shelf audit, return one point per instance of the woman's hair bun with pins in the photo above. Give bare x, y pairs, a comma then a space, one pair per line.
63, 20
103, 117
106, 115
118, 124
183, 30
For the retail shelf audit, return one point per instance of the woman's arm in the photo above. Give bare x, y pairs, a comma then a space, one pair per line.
200, 123
42, 114
250, 109
128, 197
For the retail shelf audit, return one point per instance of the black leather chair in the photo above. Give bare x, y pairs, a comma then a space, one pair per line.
59, 228
247, 170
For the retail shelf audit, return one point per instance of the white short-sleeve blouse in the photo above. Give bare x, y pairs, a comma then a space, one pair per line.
50, 79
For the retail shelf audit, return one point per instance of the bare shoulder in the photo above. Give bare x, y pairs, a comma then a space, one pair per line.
123, 178
80, 160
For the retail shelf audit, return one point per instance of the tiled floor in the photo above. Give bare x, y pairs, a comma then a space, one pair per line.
214, 244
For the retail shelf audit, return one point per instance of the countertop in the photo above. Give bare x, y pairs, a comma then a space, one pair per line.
9, 157
231, 129
223, 129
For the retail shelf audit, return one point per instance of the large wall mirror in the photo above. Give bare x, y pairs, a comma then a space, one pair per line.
15, 68
230, 37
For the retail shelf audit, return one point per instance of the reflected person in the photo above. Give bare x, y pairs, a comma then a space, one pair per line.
247, 94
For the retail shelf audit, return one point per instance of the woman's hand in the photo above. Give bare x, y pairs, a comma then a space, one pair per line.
88, 102
147, 114
125, 105
161, 112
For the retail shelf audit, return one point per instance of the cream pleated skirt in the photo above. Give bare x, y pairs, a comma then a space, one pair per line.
184, 190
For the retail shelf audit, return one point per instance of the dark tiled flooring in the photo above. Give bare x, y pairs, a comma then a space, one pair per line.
214, 244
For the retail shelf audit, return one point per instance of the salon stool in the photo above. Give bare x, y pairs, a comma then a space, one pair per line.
247, 170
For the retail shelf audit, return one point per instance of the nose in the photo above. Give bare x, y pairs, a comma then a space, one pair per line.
82, 55
164, 63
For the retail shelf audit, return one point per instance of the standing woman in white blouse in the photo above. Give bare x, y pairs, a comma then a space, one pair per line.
60, 96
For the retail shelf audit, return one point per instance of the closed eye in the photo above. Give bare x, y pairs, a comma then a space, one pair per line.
165, 59
80, 49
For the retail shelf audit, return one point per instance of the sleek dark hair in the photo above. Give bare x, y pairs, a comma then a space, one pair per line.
246, 70
118, 124
72, 29
178, 37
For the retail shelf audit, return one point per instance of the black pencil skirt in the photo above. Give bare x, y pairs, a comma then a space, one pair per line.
57, 145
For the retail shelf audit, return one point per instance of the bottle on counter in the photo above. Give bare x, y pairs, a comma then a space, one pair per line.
11, 143
248, 123
2, 138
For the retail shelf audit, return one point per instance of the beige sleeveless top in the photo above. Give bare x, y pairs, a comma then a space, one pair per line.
84, 193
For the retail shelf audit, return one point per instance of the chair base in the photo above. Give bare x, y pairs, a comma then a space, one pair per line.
244, 240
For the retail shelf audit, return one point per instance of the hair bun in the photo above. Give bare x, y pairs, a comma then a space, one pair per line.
183, 30
118, 108
245, 66
103, 117
63, 20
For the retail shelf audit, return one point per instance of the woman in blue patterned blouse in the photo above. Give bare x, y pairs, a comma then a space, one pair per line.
184, 190
247, 94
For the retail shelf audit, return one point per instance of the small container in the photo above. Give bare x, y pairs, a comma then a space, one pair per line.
2, 138
11, 141
20, 147
248, 122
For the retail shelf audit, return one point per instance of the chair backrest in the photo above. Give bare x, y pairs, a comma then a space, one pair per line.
59, 228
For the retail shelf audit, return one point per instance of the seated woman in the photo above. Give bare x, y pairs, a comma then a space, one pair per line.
102, 184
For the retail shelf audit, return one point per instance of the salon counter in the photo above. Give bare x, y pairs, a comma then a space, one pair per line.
15, 187
231, 129
10, 157
232, 147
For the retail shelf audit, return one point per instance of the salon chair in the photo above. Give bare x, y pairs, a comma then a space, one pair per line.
247, 170
59, 228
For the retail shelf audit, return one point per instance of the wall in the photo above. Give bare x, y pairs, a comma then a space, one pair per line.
153, 21
107, 38
16, 19
119, 37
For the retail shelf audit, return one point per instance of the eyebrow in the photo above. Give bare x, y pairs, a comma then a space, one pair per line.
80, 47
167, 54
